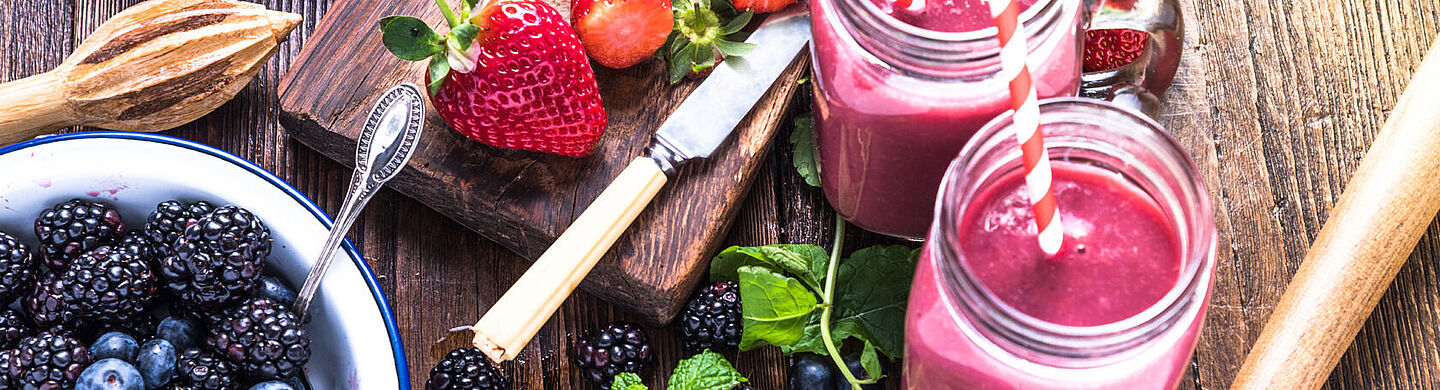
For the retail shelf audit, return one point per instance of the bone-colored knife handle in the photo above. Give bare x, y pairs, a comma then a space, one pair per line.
519, 314
1384, 210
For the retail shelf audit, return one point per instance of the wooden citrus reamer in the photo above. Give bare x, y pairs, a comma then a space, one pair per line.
152, 67
1384, 210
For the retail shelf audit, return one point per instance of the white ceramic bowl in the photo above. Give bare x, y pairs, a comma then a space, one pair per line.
354, 339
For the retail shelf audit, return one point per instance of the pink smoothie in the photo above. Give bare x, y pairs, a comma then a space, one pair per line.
885, 135
1121, 256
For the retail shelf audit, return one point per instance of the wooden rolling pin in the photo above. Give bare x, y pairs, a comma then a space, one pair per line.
1384, 210
152, 67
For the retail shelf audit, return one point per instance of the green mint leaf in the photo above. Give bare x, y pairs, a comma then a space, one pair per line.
802, 145
706, 371
872, 287
805, 262
870, 361
800, 261
439, 69
464, 35
734, 49
738, 23
628, 381
409, 38
775, 308
812, 342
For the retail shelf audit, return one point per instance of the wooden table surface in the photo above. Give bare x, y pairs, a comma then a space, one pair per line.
1277, 101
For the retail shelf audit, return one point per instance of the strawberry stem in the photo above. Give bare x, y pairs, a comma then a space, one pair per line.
449, 13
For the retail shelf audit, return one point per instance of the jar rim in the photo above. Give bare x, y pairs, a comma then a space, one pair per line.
1069, 341
986, 34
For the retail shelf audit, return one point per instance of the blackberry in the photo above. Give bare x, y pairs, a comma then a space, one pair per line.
6, 380
170, 219
107, 286
217, 260
466, 369
138, 244
48, 361
71, 228
17, 268
264, 338
712, 319
201, 370
13, 327
231, 231
619, 347
47, 309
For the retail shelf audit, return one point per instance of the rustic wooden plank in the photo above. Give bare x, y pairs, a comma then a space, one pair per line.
521, 199
1297, 91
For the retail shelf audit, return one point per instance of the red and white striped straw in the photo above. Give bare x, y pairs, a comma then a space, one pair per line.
1013, 49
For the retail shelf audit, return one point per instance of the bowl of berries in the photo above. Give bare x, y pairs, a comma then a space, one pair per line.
141, 261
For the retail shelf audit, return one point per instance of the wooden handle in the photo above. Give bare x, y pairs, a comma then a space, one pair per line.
34, 106
1384, 210
518, 315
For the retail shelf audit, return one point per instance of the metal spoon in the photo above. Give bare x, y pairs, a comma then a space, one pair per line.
385, 145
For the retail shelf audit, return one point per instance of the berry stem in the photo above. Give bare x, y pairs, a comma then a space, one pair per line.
448, 12
830, 307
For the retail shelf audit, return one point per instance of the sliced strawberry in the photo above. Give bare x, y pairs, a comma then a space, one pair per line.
762, 6
1112, 48
621, 33
512, 75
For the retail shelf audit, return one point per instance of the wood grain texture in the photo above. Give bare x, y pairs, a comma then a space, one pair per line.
1280, 101
1388, 204
524, 200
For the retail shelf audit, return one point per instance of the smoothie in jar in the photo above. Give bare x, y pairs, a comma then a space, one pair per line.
1121, 305
900, 88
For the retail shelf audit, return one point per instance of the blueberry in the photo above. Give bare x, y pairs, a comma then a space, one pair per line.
114, 345
272, 385
182, 332
809, 372
276, 290
156, 362
110, 374
858, 370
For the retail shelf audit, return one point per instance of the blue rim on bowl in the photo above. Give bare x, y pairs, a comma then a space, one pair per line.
396, 345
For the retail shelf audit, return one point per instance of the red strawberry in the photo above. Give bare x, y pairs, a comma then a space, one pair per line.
1112, 48
762, 6
621, 33
514, 76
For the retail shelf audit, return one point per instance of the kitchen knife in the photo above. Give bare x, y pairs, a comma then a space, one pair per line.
694, 130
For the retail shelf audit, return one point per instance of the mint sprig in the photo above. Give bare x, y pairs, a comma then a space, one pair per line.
705, 371
628, 381
802, 298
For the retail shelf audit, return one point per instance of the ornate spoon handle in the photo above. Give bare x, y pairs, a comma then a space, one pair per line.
385, 145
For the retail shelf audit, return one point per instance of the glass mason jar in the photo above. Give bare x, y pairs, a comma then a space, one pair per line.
895, 102
965, 330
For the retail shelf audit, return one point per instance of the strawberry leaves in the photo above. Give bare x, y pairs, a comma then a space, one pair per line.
412, 39
700, 40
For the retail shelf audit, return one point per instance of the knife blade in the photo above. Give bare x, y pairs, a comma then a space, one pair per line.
694, 130
707, 117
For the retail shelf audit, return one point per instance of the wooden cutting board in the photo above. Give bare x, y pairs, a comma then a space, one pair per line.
523, 200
